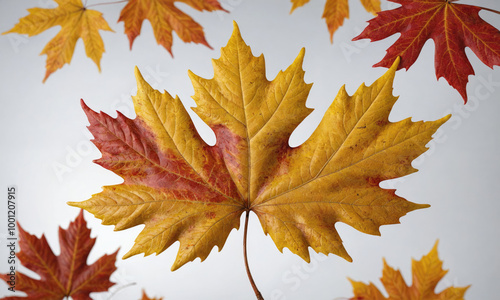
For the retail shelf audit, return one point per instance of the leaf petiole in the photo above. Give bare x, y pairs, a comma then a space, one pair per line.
483, 8
249, 274
104, 3
490, 10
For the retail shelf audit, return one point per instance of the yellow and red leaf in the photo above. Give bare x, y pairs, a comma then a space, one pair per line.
185, 190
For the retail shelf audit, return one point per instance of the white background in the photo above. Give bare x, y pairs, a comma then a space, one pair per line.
43, 128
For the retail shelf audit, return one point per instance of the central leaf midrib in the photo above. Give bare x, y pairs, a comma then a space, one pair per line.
448, 47
249, 155
69, 284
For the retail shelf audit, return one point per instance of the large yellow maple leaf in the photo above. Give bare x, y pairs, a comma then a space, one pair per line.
185, 190
76, 22
336, 11
165, 17
426, 275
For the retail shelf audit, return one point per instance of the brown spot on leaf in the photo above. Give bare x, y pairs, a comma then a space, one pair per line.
210, 215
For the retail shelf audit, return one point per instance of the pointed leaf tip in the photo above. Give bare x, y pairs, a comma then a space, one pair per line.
301, 55
236, 34
75, 204
84, 105
141, 82
235, 26
80, 215
435, 248
137, 73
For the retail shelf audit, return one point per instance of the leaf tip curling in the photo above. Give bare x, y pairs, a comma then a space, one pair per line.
236, 28
84, 105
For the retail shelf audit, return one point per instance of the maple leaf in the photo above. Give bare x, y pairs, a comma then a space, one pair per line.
165, 17
336, 11
67, 274
145, 296
76, 22
451, 26
185, 190
426, 275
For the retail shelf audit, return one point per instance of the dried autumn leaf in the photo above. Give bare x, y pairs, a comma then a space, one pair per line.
451, 26
67, 274
76, 22
145, 296
185, 190
336, 11
426, 275
165, 17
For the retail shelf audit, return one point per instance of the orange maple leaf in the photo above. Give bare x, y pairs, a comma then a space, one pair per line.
76, 22
336, 11
165, 17
451, 26
185, 190
426, 275
65, 275
145, 296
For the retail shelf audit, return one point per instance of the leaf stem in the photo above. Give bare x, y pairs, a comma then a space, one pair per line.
483, 8
249, 274
120, 288
115, 2
489, 9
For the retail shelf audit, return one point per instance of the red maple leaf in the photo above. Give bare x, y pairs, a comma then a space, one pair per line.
452, 27
67, 274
